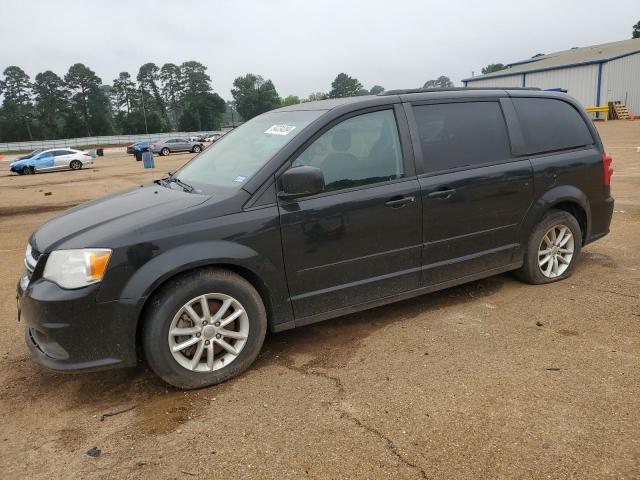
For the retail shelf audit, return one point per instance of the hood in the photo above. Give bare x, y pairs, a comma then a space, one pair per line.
20, 161
99, 222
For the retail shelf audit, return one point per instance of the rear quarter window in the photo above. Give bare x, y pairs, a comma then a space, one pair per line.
549, 125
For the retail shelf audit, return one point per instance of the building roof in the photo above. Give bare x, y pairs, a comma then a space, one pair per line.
568, 58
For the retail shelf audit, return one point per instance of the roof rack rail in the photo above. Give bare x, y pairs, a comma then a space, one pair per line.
448, 89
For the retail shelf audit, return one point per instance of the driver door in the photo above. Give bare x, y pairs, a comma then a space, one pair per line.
44, 161
359, 240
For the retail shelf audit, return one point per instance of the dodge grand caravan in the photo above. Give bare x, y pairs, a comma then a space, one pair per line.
310, 212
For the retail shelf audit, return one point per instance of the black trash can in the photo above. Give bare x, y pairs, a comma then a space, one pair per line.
138, 156
100, 152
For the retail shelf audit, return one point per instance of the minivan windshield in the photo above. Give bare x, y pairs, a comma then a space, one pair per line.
239, 154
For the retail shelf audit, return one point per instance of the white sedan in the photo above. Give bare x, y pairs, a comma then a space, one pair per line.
44, 160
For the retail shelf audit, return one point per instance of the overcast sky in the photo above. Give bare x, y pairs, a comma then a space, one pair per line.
303, 45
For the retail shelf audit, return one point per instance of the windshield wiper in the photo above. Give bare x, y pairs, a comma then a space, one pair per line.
185, 186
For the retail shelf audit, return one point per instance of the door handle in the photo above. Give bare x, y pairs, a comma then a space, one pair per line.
442, 194
400, 202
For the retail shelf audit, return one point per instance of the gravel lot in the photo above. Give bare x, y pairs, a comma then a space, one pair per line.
457, 384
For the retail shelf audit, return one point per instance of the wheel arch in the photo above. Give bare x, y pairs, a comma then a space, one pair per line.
246, 273
564, 197
578, 212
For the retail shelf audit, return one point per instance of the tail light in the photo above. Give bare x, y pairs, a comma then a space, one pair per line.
607, 168
86, 154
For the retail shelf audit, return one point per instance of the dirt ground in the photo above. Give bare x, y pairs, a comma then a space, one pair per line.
458, 384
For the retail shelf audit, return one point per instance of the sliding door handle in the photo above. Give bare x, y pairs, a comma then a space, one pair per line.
442, 194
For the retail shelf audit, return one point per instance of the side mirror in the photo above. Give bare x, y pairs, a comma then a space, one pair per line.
301, 182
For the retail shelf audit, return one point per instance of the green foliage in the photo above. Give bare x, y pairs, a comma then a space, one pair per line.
493, 67
345, 86
289, 100
148, 79
635, 33
316, 96
88, 101
253, 95
172, 85
376, 89
17, 106
168, 98
51, 103
441, 82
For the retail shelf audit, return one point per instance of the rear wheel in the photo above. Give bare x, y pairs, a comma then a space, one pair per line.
203, 328
164, 152
75, 165
553, 249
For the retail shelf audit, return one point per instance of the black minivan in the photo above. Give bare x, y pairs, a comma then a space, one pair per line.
310, 212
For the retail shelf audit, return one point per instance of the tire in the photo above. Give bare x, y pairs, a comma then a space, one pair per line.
164, 152
196, 149
75, 165
28, 171
535, 270
166, 313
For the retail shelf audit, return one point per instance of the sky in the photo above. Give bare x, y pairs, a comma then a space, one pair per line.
302, 45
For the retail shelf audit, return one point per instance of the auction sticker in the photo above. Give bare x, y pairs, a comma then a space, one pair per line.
279, 129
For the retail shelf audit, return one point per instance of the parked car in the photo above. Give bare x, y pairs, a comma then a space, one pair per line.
175, 145
310, 212
213, 137
138, 147
51, 159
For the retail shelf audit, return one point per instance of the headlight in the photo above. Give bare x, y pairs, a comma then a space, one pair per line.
77, 268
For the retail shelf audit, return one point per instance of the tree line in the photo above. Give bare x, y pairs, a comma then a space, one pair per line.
78, 104
158, 99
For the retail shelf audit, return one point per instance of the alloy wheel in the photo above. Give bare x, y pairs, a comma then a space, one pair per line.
208, 332
556, 251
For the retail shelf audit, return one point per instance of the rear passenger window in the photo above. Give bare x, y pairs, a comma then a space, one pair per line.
549, 125
466, 134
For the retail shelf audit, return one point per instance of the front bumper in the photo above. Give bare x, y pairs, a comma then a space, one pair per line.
68, 330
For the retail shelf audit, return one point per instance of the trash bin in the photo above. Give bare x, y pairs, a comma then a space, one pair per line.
138, 155
147, 160
100, 152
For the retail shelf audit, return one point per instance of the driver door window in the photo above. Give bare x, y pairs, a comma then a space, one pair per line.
361, 150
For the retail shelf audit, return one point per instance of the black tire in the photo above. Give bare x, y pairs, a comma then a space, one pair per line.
75, 165
165, 304
165, 151
28, 171
196, 149
531, 272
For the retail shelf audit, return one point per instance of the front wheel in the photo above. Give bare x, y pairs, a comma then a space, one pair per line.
196, 149
28, 171
164, 152
203, 328
553, 249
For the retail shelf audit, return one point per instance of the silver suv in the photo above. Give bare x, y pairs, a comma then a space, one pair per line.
173, 145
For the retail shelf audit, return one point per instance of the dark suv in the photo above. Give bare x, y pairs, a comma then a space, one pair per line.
311, 212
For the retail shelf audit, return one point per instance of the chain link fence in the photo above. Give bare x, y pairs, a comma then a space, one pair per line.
97, 141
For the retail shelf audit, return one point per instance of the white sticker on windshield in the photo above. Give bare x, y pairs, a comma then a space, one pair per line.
279, 129
239, 179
